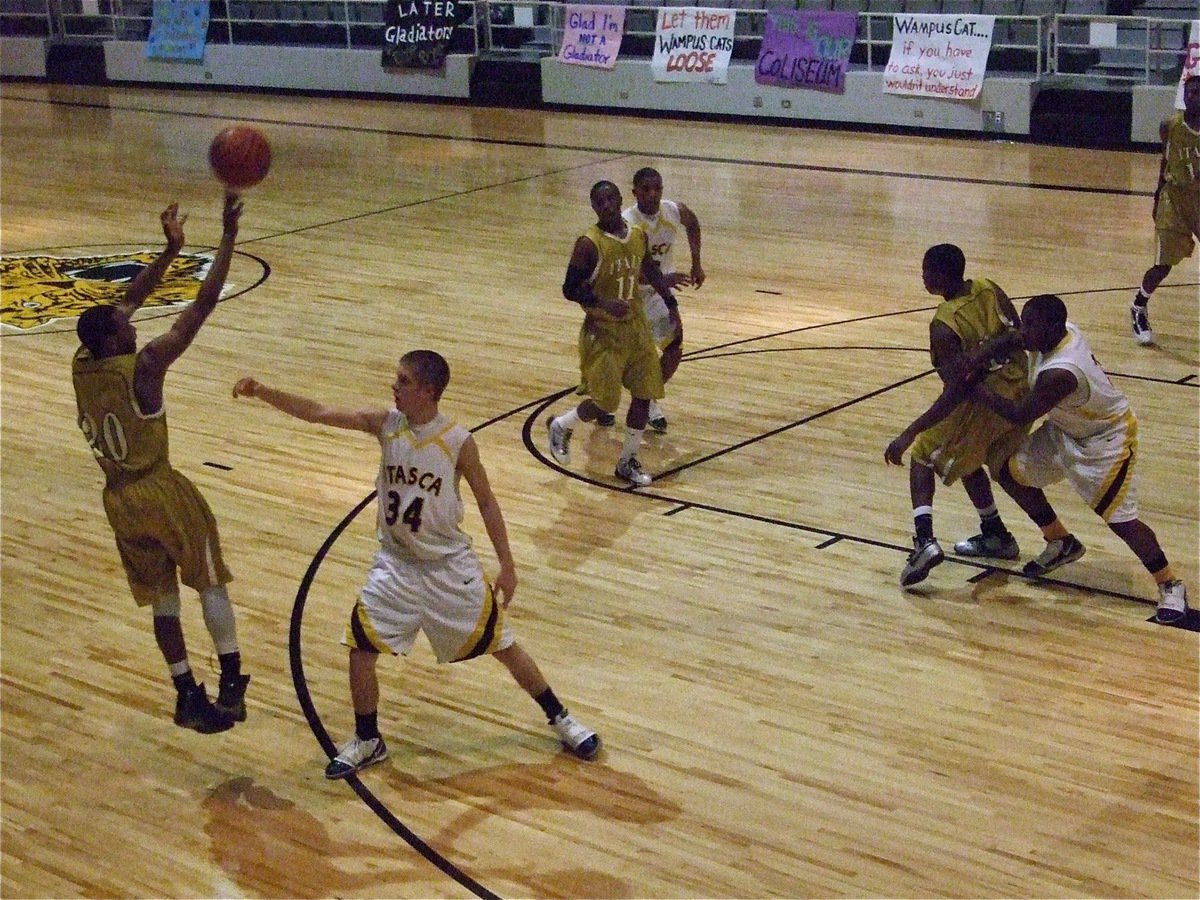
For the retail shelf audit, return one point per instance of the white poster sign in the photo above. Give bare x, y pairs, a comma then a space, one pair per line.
1191, 61
938, 56
693, 43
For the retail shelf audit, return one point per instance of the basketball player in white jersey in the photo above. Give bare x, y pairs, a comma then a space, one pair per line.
425, 576
663, 220
1089, 438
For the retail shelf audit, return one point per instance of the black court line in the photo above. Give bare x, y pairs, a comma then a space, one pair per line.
1187, 379
679, 505
832, 535
221, 466
466, 192
322, 735
622, 152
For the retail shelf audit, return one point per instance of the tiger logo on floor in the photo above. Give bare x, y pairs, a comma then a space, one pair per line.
38, 290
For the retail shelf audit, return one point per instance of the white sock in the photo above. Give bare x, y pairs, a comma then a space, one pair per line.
656, 410
568, 420
633, 440
218, 618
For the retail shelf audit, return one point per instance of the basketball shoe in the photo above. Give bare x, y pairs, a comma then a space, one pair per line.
1057, 553
631, 470
581, 741
560, 441
1139, 318
926, 554
354, 755
658, 419
231, 698
194, 710
1172, 603
993, 546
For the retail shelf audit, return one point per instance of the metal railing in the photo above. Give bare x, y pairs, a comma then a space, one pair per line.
1146, 50
1129, 49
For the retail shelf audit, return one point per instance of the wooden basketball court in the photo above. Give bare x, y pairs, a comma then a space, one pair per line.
780, 718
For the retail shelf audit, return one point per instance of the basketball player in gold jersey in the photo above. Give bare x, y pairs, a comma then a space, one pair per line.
616, 346
1089, 438
972, 311
1176, 207
163, 526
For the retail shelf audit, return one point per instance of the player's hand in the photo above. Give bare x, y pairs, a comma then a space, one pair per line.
506, 585
697, 275
618, 309
894, 454
232, 213
246, 387
678, 279
172, 226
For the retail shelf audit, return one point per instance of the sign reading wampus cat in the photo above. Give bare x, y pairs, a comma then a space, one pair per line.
693, 43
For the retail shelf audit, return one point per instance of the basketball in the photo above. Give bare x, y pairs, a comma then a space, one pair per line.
240, 157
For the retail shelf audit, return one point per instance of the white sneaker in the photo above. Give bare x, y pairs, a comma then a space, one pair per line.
581, 741
354, 755
1140, 321
657, 419
631, 470
1172, 603
560, 441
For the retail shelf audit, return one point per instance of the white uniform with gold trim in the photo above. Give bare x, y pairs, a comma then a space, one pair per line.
425, 576
661, 231
1089, 438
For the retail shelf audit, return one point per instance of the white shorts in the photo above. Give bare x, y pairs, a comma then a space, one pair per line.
661, 326
1101, 469
448, 599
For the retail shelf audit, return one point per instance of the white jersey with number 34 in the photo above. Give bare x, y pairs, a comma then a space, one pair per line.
420, 507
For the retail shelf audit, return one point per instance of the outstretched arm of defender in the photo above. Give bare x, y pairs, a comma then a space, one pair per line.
368, 420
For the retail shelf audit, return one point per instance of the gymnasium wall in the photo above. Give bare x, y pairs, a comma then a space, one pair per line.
1007, 104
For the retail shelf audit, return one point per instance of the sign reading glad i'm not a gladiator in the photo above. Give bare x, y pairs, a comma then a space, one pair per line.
417, 33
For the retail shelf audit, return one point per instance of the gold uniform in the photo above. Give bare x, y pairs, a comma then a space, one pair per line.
1177, 219
973, 435
616, 353
161, 522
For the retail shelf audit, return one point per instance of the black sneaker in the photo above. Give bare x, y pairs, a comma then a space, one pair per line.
1057, 553
993, 546
1140, 321
231, 699
926, 554
193, 710
658, 419
606, 419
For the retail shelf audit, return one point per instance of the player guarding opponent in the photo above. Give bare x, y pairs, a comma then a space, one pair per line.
425, 576
662, 220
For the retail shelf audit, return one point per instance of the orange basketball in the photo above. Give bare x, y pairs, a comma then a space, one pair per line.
240, 157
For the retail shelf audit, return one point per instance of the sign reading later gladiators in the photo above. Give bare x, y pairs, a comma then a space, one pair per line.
417, 33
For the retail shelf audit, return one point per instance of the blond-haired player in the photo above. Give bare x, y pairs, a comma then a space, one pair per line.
425, 576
